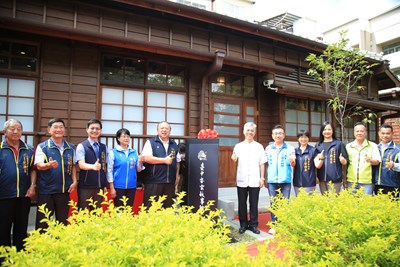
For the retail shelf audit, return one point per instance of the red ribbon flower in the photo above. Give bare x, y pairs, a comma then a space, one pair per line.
207, 134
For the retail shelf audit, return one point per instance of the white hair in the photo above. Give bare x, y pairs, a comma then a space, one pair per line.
250, 124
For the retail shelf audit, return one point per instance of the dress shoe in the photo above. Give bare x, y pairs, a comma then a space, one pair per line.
254, 229
242, 230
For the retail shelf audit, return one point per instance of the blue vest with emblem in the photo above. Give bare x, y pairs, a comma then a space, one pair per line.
58, 180
161, 173
124, 171
91, 178
382, 175
15, 173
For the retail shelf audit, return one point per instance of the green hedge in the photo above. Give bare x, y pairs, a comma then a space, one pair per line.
157, 237
313, 230
349, 229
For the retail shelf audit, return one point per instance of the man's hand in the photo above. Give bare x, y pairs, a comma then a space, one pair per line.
97, 165
234, 157
52, 163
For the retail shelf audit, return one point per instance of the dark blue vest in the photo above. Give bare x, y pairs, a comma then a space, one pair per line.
90, 178
54, 181
331, 170
382, 175
161, 173
15, 177
305, 171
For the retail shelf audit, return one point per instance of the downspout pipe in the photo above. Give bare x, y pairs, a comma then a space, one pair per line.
214, 67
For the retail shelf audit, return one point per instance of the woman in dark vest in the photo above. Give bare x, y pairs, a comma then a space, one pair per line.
333, 154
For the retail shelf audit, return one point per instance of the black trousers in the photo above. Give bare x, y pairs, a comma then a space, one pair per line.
57, 204
14, 213
129, 193
84, 194
159, 190
253, 193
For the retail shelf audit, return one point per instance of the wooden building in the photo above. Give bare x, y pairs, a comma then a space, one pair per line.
134, 63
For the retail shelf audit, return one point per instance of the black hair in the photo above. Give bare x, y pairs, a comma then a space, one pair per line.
54, 120
303, 133
120, 132
278, 126
94, 121
321, 130
386, 126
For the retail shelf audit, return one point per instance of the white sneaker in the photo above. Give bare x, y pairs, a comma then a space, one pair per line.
271, 231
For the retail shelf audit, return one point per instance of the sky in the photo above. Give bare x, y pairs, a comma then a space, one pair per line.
327, 13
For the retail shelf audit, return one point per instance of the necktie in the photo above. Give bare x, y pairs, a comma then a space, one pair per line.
96, 148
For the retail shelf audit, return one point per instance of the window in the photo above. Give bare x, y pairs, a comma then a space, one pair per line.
390, 49
17, 101
120, 69
18, 56
231, 84
140, 111
303, 114
229, 118
128, 70
166, 75
349, 130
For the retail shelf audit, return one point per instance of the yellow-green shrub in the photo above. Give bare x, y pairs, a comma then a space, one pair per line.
339, 230
157, 237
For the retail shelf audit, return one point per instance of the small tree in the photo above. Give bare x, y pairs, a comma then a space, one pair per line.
341, 69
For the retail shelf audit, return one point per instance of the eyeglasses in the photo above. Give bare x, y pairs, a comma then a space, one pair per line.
279, 133
94, 128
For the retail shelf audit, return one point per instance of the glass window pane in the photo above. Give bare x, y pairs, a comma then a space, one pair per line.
2, 121
315, 130
224, 141
134, 127
111, 112
291, 116
302, 117
218, 87
250, 110
219, 118
228, 108
175, 115
176, 75
152, 128
133, 113
111, 127
22, 87
112, 96
178, 130
291, 129
27, 122
250, 119
133, 98
27, 64
156, 114
156, 99
227, 130
3, 86
175, 101
291, 103
302, 104
316, 118
21, 106
3, 105
248, 91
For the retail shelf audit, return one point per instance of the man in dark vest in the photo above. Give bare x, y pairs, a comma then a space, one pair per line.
55, 161
17, 185
161, 157
91, 156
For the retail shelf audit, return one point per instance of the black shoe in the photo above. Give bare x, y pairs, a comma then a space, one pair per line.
254, 229
242, 230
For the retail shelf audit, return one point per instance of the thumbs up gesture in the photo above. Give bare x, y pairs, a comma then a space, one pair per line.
342, 160
321, 155
367, 159
53, 163
97, 165
389, 163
